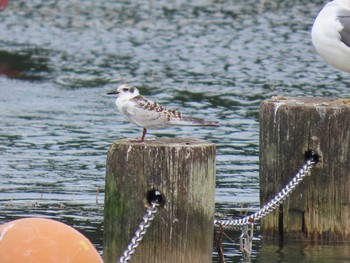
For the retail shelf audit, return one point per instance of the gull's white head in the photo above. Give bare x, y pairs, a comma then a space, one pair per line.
126, 91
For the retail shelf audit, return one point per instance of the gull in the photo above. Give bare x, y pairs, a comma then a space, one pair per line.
148, 114
331, 34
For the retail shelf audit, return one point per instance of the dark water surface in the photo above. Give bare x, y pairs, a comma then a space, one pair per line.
212, 59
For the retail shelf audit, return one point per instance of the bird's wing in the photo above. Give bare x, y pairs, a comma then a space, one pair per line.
149, 114
344, 18
145, 112
191, 121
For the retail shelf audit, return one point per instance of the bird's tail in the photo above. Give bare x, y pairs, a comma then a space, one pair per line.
190, 121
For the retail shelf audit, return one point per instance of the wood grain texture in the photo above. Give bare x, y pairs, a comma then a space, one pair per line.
183, 170
318, 210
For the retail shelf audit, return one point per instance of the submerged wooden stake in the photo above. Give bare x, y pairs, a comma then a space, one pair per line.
183, 170
318, 210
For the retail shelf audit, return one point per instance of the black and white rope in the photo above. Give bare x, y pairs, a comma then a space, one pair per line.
140, 232
274, 203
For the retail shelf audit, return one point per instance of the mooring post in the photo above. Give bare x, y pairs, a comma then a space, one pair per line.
319, 209
183, 171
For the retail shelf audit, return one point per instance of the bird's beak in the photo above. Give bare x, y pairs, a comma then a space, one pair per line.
113, 92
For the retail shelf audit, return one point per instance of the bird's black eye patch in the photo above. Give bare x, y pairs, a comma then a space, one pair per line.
125, 89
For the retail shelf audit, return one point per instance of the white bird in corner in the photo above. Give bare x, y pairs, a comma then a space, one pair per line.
331, 34
149, 114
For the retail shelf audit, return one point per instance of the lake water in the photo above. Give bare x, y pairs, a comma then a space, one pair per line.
212, 59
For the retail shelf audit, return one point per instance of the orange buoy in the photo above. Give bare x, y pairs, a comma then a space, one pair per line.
39, 240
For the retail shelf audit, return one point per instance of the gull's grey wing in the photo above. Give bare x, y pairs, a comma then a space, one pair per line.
344, 18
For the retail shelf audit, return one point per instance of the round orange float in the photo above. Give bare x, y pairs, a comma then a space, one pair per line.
38, 240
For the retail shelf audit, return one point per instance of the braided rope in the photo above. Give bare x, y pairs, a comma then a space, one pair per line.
274, 203
140, 232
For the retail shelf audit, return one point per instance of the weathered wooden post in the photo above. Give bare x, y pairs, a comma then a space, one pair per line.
319, 208
183, 170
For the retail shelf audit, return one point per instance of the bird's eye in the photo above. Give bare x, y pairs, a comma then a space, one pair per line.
125, 89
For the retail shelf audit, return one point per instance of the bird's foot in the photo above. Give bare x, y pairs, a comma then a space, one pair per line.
137, 141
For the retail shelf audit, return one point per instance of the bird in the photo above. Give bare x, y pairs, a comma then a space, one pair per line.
331, 34
148, 114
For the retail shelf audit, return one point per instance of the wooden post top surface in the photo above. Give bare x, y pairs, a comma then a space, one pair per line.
310, 101
170, 142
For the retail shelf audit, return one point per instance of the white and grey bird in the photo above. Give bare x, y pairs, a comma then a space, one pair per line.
149, 114
331, 34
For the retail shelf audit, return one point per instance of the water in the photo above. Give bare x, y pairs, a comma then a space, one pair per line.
212, 59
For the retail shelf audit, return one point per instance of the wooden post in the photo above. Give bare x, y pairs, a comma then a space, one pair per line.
318, 210
183, 170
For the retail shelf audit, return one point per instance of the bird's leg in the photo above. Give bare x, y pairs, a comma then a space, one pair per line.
143, 135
